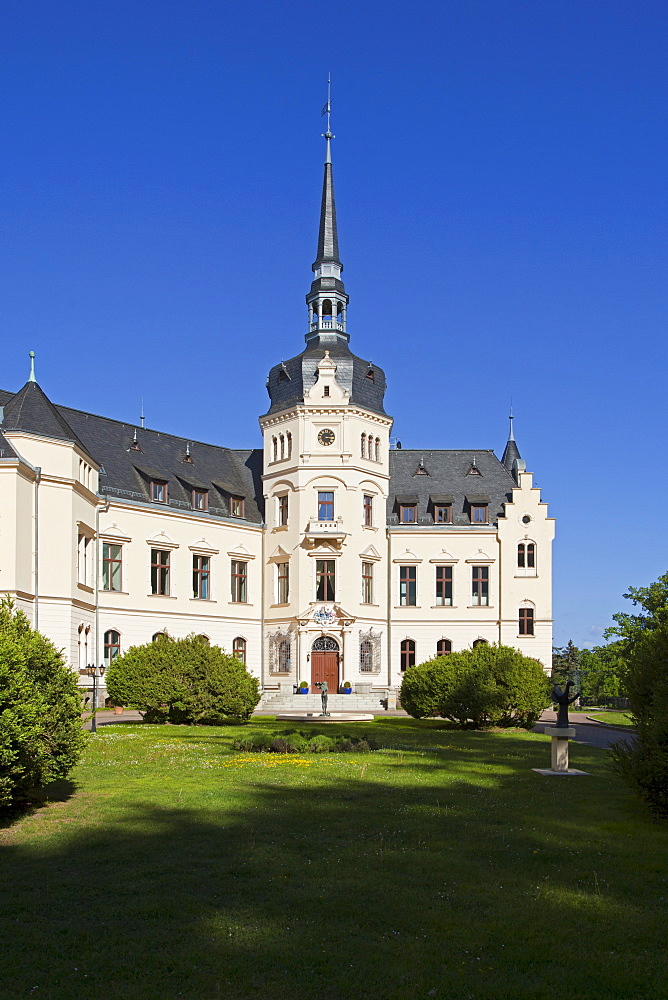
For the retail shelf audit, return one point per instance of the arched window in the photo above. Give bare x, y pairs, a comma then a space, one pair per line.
282, 446
377, 455
239, 649
366, 656
526, 557
205, 639
363, 446
289, 437
526, 621
407, 654
112, 646
443, 647
274, 446
158, 636
480, 642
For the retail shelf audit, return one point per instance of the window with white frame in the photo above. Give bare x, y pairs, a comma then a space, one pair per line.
367, 583
480, 586
282, 582
112, 564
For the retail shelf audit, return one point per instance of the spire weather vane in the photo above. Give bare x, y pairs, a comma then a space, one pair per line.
327, 110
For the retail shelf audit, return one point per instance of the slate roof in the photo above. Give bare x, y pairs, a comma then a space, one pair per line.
127, 470
288, 380
6, 450
446, 478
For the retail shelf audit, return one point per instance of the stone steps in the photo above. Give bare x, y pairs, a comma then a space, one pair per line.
312, 703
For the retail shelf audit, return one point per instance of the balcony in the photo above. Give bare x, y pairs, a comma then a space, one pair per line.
332, 531
328, 324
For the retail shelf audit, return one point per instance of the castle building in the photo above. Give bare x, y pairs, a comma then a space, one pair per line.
327, 554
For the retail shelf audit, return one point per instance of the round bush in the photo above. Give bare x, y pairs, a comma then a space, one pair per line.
41, 737
183, 680
487, 685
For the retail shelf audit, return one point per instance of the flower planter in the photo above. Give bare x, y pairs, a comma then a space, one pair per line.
302, 690
346, 690
118, 709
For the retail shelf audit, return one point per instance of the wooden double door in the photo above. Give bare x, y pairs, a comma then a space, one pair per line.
325, 667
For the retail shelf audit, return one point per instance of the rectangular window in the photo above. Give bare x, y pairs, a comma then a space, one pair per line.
201, 577
526, 621
158, 491
408, 513
408, 586
443, 513
325, 579
444, 586
367, 583
83, 562
368, 511
282, 582
480, 585
283, 510
160, 572
478, 513
239, 581
325, 506
236, 506
111, 566
200, 500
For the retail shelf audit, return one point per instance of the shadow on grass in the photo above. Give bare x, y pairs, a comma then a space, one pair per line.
346, 888
56, 791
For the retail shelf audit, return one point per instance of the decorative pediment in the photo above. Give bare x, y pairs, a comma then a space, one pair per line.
444, 557
240, 552
162, 540
203, 546
115, 533
480, 558
407, 557
279, 554
325, 616
370, 554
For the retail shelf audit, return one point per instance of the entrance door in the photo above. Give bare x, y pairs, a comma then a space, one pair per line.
325, 663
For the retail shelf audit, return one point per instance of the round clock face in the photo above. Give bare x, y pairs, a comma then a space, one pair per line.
326, 436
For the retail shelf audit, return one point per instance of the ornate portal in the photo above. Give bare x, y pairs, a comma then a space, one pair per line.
324, 616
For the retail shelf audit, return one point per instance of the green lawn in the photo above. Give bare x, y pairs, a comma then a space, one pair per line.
173, 867
612, 718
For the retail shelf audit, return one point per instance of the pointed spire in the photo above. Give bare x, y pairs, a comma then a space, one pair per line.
328, 240
31, 377
511, 452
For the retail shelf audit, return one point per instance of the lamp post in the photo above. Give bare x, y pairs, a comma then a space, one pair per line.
94, 671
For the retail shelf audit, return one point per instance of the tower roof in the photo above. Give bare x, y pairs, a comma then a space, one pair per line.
31, 410
511, 452
328, 238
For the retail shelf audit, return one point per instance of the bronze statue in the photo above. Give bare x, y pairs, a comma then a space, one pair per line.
563, 701
323, 695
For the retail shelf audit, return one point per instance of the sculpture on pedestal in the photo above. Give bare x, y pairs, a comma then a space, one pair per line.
563, 701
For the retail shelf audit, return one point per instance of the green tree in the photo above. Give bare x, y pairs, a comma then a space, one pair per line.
41, 736
183, 680
596, 673
654, 603
478, 687
644, 762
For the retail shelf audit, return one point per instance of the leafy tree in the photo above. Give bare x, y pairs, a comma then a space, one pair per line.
654, 602
41, 737
644, 762
596, 673
182, 680
478, 687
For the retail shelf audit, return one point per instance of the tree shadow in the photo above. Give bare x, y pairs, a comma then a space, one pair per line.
347, 888
55, 791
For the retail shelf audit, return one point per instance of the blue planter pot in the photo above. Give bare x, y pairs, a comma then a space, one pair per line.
346, 690
302, 690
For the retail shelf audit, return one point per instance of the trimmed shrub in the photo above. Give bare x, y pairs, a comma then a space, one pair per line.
41, 737
486, 685
644, 762
183, 680
303, 742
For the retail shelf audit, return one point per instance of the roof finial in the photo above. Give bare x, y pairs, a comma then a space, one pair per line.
142, 417
511, 436
31, 377
327, 110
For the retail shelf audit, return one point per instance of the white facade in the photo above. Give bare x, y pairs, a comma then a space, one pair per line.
331, 564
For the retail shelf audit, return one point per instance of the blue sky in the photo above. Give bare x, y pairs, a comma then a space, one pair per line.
500, 175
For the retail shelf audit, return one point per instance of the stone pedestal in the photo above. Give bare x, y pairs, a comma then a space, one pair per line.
391, 701
560, 737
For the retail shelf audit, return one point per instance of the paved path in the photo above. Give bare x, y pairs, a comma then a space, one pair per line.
592, 733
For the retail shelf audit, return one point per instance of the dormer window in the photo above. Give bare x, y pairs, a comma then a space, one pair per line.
407, 513
236, 506
478, 513
371, 375
200, 500
159, 490
442, 513
325, 390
